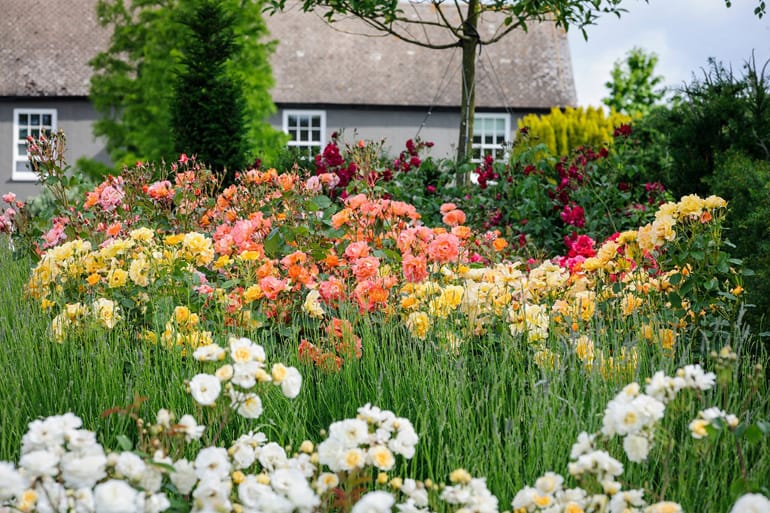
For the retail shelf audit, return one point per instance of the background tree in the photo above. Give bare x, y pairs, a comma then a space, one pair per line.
633, 87
715, 139
459, 19
133, 82
207, 107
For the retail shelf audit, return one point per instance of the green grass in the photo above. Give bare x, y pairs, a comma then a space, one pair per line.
488, 408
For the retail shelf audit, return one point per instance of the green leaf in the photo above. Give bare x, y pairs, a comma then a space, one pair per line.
764, 426
310, 206
739, 487
124, 442
272, 243
323, 202
753, 434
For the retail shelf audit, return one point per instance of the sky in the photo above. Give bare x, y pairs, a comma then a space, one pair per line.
683, 34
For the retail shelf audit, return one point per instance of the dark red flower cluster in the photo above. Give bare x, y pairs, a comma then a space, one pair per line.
409, 159
579, 245
486, 172
331, 161
655, 192
573, 214
623, 130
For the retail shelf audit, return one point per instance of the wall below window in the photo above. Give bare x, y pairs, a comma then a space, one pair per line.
75, 117
395, 126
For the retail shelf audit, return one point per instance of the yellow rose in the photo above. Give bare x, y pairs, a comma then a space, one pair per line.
418, 324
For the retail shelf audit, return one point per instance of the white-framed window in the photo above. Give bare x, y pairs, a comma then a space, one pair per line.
28, 122
490, 135
307, 129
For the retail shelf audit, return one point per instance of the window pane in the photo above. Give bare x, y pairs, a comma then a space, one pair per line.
292, 135
22, 150
34, 120
23, 133
476, 138
489, 139
292, 122
23, 119
500, 126
316, 136
304, 135
47, 120
21, 165
35, 132
304, 121
316, 122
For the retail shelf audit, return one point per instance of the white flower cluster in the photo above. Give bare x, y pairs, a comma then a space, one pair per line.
246, 370
64, 468
707, 417
374, 437
471, 494
632, 415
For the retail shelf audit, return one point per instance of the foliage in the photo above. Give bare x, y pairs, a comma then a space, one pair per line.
496, 393
207, 107
714, 138
156, 291
561, 131
747, 183
632, 89
710, 116
133, 81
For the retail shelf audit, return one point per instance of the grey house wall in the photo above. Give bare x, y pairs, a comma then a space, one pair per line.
74, 115
394, 125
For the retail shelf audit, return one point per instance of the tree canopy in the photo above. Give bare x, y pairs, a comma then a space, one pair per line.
133, 82
633, 89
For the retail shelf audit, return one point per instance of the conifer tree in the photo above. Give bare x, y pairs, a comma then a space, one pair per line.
207, 107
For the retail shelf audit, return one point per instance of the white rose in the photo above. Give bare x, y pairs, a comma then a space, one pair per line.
751, 503
291, 383
183, 477
374, 502
205, 389
115, 496
636, 447
83, 471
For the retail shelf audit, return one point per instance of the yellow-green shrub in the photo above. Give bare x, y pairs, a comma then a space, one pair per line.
561, 131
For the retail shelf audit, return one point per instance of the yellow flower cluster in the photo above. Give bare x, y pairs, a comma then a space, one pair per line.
74, 271
74, 316
182, 330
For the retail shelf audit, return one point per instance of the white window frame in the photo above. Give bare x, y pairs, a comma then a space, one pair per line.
18, 158
484, 147
306, 145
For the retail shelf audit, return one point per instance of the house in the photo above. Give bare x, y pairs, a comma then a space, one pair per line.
328, 77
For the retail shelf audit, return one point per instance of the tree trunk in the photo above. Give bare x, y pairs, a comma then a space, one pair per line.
469, 44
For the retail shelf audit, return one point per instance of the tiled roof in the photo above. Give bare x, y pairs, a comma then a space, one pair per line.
45, 47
